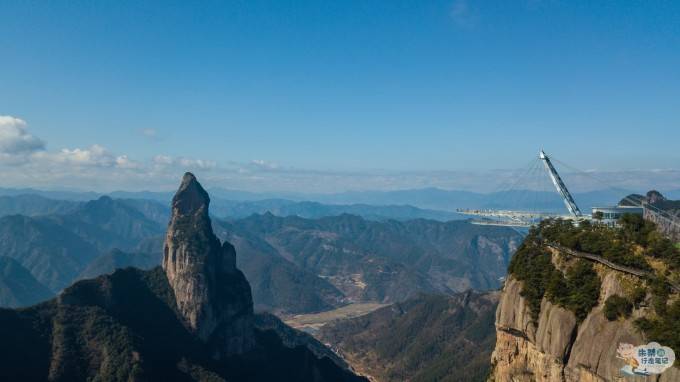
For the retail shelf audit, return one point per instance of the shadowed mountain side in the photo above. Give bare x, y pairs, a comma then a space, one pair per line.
151, 209
53, 254
56, 248
108, 223
18, 287
117, 259
278, 284
293, 338
126, 326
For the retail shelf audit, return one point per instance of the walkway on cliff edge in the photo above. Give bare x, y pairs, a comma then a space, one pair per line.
603, 261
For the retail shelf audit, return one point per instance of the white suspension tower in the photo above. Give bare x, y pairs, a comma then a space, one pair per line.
560, 186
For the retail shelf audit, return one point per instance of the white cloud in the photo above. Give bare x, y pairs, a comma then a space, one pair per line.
265, 165
95, 155
123, 161
19, 148
24, 162
185, 163
14, 138
162, 160
197, 163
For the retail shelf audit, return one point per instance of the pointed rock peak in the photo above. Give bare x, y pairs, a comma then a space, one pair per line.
212, 295
190, 197
187, 179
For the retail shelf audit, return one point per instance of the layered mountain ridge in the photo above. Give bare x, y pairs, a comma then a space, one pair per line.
18, 287
191, 320
357, 260
60, 242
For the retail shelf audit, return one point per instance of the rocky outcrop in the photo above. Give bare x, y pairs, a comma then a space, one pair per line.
556, 328
212, 295
557, 348
526, 350
513, 312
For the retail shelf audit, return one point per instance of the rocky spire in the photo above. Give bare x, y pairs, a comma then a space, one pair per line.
212, 295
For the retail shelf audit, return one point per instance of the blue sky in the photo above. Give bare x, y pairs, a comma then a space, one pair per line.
292, 93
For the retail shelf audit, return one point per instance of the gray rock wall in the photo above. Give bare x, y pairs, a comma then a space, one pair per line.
558, 349
212, 295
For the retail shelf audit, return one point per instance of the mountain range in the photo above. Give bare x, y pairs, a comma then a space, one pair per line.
368, 260
157, 210
295, 265
424, 198
18, 287
191, 320
298, 265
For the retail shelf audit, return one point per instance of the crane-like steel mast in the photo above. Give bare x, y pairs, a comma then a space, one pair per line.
529, 218
561, 187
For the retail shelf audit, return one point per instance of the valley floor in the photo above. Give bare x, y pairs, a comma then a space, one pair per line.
311, 323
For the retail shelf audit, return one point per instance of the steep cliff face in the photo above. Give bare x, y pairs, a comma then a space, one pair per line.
555, 347
212, 295
526, 351
581, 301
